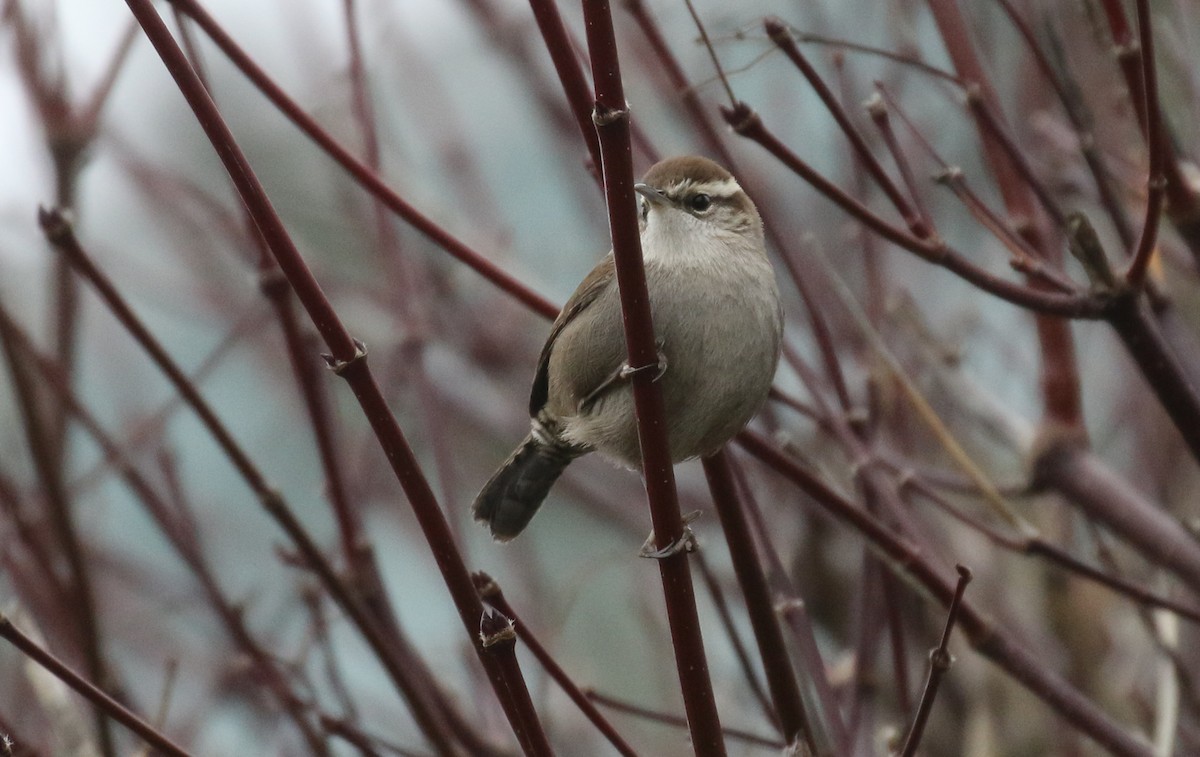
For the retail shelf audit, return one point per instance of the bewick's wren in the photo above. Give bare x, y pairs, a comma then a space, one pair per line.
718, 323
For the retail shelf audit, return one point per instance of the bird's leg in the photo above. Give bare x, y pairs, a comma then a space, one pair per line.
626, 372
623, 373
685, 543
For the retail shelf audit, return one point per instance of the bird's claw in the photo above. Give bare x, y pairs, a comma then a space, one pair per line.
622, 374
626, 371
685, 543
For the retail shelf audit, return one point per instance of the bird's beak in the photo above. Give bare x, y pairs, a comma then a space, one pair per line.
652, 195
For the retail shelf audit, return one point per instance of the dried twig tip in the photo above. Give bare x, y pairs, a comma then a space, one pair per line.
741, 118
951, 175
1084, 244
776, 29
496, 628
876, 107
56, 224
485, 585
339, 366
602, 115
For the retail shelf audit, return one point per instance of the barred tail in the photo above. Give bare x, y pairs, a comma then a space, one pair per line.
513, 494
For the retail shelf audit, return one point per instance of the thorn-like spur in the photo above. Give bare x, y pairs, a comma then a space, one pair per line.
623, 373
685, 543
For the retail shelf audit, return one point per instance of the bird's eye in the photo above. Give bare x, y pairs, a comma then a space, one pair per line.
700, 202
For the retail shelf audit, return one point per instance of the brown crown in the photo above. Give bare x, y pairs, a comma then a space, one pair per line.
692, 167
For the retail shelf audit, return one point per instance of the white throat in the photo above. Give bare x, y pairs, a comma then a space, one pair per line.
677, 238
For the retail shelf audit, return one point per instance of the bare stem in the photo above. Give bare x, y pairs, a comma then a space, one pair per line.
940, 661
1155, 137
746, 566
612, 126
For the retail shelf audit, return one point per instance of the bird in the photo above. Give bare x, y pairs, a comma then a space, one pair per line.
718, 325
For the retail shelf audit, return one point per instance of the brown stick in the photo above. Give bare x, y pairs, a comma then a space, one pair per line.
612, 126
775, 661
939, 662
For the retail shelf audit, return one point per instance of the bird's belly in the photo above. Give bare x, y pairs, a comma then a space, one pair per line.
721, 350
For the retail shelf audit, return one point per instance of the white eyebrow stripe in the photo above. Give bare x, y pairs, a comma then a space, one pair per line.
724, 188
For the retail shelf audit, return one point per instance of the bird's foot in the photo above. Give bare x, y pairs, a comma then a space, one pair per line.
622, 374
626, 371
685, 543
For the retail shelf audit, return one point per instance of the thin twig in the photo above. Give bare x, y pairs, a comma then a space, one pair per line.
103, 702
779, 34
878, 111
1155, 137
940, 660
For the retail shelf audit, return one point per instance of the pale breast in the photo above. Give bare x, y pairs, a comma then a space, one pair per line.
720, 329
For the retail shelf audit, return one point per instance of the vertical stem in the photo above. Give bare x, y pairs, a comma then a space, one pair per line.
1060, 369
1182, 198
612, 126
940, 660
1155, 138
570, 73
776, 664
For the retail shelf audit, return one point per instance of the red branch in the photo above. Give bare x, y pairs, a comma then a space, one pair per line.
612, 125
777, 665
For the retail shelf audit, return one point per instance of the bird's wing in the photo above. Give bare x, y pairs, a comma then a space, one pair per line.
592, 286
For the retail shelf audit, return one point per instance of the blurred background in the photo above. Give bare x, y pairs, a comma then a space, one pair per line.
459, 108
